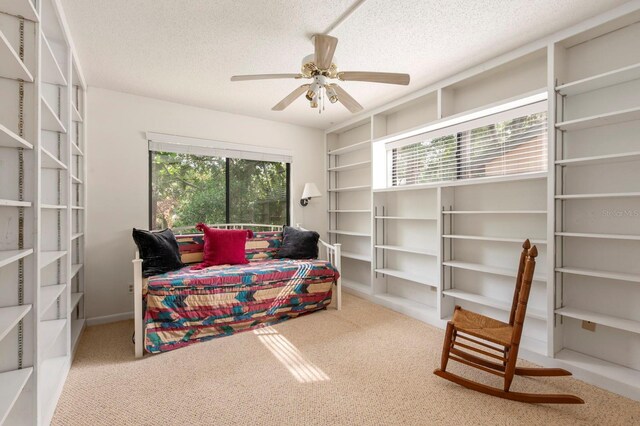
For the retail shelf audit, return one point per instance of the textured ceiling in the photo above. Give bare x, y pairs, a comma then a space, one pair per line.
185, 51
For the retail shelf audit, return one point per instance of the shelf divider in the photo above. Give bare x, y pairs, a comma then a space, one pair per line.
8, 139
12, 384
600, 81
602, 319
10, 317
10, 64
50, 120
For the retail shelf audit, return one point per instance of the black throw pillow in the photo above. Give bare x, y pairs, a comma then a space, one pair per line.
158, 250
297, 244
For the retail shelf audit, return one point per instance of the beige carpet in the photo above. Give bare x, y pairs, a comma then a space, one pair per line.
363, 365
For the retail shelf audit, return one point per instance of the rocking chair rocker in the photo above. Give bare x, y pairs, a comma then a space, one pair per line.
499, 341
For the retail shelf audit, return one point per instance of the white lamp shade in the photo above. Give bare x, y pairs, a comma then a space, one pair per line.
311, 191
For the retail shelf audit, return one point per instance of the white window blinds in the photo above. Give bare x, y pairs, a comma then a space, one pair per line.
511, 142
186, 145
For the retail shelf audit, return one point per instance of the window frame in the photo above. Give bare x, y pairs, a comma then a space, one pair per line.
456, 129
227, 192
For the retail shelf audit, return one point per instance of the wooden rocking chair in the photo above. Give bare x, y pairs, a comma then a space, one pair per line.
499, 341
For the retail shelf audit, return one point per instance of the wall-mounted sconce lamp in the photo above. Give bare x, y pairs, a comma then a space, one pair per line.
310, 191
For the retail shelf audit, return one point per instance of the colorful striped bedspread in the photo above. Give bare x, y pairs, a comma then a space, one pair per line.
189, 306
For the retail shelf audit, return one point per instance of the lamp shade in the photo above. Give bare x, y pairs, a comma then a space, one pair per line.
310, 191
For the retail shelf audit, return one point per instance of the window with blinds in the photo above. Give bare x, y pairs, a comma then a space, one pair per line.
508, 143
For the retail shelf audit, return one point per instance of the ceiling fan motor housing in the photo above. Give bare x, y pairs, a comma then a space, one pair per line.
310, 69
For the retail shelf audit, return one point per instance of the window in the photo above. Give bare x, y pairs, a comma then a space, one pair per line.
187, 188
512, 142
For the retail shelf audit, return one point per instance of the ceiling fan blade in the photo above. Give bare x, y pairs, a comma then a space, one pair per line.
290, 98
325, 47
345, 99
375, 77
263, 76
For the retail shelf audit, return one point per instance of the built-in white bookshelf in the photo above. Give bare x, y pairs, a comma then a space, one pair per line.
349, 201
38, 72
596, 75
438, 244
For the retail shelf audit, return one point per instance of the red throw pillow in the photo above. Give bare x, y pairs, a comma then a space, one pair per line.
224, 246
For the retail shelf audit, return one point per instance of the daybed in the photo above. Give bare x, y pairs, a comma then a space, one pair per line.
190, 305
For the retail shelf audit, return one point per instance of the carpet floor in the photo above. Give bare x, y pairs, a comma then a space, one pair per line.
364, 365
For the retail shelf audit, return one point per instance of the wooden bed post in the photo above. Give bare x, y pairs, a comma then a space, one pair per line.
138, 334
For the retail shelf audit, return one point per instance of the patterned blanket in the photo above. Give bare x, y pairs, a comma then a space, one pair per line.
188, 306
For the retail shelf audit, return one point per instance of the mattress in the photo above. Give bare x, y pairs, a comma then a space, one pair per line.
188, 306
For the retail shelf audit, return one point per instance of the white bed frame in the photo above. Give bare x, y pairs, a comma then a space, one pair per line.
332, 252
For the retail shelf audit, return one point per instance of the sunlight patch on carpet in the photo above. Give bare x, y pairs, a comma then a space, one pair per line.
303, 370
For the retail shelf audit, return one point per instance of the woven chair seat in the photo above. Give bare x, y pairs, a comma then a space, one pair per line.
481, 326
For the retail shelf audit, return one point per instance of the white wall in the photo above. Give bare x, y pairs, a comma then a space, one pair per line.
117, 181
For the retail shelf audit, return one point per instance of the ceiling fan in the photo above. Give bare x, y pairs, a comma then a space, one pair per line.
320, 67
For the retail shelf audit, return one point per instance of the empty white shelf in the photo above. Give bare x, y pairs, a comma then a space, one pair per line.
600, 274
77, 207
8, 139
350, 148
48, 296
349, 211
49, 332
75, 149
600, 159
49, 161
356, 256
10, 64
77, 325
50, 378
14, 203
351, 233
600, 119
53, 206
352, 166
592, 196
602, 319
10, 256
611, 78
350, 188
489, 269
51, 72
75, 180
76, 235
75, 299
424, 252
404, 218
48, 257
50, 120
495, 239
601, 236
74, 269
10, 317
494, 212
492, 303
362, 288
75, 114
598, 366
405, 276
12, 384
22, 8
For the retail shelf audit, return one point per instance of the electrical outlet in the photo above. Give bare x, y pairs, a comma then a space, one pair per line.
589, 326
131, 288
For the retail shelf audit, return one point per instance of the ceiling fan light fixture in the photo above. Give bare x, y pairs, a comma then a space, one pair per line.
331, 93
313, 91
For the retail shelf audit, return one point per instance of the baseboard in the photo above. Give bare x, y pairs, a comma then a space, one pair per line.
110, 318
